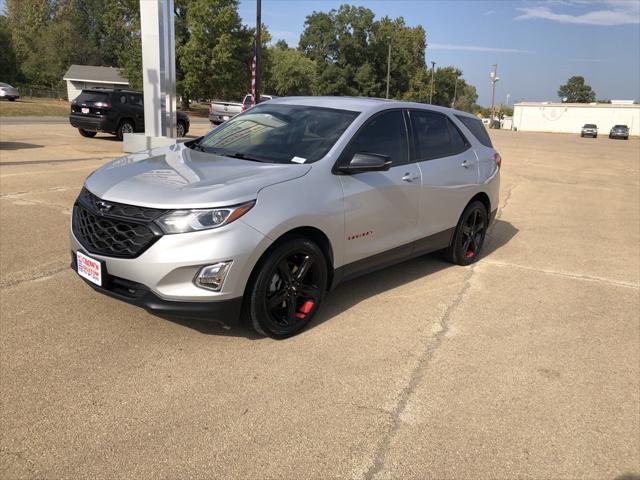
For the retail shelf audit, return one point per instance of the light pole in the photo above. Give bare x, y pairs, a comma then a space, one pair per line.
256, 100
494, 79
388, 67
455, 92
433, 68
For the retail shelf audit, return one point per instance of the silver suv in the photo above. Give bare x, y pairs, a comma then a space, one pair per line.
264, 214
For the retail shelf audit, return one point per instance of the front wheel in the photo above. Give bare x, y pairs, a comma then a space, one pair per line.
11, 99
468, 238
287, 291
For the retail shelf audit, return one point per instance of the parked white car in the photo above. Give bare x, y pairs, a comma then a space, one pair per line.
9, 92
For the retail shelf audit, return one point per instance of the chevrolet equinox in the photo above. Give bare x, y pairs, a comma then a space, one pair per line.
261, 216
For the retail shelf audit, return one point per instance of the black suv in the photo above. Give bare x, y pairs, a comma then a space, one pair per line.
113, 111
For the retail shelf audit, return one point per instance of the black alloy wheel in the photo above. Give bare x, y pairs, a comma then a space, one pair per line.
288, 288
469, 236
125, 127
180, 129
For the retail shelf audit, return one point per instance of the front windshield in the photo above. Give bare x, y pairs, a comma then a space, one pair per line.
279, 133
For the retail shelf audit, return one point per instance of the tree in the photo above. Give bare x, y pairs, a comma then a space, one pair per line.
444, 88
8, 61
350, 49
577, 91
292, 73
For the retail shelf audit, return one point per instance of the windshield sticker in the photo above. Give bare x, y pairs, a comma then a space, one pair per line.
298, 160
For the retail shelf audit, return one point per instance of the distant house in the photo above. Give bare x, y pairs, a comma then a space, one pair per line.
79, 77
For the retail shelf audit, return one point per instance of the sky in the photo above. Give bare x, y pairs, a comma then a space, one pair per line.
537, 45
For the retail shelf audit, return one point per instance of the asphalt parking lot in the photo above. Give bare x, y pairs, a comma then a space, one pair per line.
525, 365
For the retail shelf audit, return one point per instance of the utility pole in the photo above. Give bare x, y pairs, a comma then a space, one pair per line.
455, 92
388, 67
433, 69
258, 48
494, 79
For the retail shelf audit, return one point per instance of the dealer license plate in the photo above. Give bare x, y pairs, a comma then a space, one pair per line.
85, 110
89, 268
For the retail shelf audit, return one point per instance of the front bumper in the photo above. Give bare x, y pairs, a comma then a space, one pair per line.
619, 134
226, 312
162, 277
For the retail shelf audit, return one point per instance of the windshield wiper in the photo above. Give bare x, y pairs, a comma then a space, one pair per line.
243, 156
196, 145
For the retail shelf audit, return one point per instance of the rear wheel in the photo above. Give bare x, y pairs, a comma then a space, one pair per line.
469, 236
286, 292
126, 126
11, 99
87, 133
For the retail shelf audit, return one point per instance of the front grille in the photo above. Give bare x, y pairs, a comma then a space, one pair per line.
114, 229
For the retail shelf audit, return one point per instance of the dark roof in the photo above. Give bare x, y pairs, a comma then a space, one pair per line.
88, 73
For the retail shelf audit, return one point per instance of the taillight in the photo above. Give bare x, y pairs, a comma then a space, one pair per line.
243, 108
498, 159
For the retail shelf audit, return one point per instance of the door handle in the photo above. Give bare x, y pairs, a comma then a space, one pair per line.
465, 164
409, 177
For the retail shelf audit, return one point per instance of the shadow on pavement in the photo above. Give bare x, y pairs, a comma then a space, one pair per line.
17, 145
349, 294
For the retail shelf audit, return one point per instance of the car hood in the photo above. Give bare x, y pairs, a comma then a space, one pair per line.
179, 177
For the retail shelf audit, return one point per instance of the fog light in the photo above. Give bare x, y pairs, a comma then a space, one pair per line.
212, 277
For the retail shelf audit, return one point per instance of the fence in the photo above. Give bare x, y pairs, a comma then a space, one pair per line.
41, 91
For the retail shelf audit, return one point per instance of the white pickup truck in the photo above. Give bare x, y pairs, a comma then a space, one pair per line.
220, 112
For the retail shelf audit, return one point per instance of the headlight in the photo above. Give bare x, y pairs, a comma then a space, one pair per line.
183, 221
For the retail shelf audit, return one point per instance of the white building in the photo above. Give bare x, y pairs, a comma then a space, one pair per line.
79, 77
570, 117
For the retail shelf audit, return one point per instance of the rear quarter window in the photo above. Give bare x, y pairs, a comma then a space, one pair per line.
476, 127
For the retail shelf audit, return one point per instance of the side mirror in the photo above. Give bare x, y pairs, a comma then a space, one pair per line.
366, 162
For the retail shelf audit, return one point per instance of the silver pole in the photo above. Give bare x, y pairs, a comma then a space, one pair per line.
494, 79
433, 69
159, 67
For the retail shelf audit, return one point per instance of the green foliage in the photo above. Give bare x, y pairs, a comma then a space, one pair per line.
577, 91
8, 61
292, 73
213, 49
447, 85
341, 52
350, 49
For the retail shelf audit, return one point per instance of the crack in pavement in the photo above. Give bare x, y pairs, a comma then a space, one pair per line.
414, 380
35, 192
574, 276
29, 276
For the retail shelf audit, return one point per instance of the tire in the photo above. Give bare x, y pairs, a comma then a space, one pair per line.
87, 133
582, 135
126, 126
595, 136
181, 129
11, 99
287, 288
469, 236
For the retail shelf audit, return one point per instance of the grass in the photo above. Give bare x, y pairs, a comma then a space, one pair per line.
48, 107
31, 106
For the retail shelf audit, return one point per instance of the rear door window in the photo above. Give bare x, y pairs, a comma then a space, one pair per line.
476, 127
385, 134
435, 136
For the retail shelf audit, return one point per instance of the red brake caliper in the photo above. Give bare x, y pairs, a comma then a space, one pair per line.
305, 309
